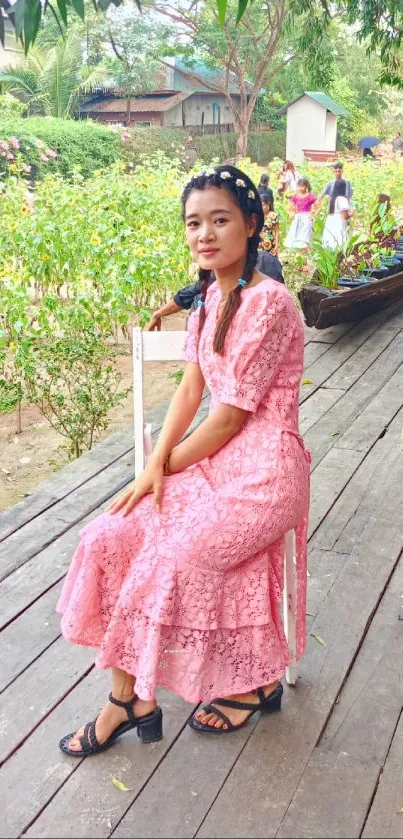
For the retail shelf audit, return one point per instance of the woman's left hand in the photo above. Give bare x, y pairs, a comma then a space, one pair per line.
151, 480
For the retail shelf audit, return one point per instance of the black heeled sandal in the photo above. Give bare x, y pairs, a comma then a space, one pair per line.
149, 730
266, 705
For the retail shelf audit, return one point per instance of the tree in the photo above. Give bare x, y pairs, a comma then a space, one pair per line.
53, 81
243, 58
378, 22
136, 48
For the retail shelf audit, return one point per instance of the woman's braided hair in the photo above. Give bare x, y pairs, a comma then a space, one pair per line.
248, 200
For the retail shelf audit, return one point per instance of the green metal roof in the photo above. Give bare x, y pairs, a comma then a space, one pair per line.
321, 99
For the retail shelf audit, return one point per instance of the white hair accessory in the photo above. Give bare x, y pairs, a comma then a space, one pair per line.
251, 194
240, 182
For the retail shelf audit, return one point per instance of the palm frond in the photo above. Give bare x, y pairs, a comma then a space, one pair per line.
62, 73
18, 80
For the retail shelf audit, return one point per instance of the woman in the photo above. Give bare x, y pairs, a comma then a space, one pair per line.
335, 231
270, 233
179, 583
288, 178
264, 188
300, 232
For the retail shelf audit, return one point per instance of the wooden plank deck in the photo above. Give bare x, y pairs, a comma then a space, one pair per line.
330, 763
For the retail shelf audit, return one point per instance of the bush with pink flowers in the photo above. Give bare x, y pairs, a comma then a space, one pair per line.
48, 145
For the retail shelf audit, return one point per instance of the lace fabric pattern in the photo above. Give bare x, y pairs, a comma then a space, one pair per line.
190, 598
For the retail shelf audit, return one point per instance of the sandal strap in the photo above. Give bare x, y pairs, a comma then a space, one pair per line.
128, 706
240, 706
86, 746
261, 694
94, 742
210, 709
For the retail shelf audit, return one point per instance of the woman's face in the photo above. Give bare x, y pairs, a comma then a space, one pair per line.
216, 230
302, 188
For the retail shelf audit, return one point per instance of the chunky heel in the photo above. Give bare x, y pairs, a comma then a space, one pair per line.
273, 702
150, 730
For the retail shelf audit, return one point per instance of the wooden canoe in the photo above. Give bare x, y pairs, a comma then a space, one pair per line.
323, 307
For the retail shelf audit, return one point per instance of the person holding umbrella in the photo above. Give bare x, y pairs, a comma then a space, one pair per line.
367, 144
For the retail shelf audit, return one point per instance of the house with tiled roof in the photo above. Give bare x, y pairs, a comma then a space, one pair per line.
187, 96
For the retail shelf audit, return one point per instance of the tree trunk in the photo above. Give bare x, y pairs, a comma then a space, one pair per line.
242, 138
128, 110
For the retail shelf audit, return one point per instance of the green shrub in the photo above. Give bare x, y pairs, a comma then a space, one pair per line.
138, 142
263, 145
83, 145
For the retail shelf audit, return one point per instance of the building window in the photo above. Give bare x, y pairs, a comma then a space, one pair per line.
143, 124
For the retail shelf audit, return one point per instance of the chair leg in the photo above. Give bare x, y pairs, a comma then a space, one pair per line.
290, 605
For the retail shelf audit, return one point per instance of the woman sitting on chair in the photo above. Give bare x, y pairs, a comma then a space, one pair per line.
179, 584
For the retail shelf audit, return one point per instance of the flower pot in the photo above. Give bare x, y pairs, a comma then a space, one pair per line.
347, 282
381, 272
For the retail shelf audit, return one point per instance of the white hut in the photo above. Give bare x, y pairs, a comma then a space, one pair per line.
312, 126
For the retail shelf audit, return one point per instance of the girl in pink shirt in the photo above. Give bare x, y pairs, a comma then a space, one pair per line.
300, 232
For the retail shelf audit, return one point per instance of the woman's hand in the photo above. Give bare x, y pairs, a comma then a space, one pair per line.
151, 480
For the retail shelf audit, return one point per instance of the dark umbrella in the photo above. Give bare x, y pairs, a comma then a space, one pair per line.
368, 142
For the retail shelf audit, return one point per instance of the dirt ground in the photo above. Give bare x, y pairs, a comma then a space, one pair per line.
26, 459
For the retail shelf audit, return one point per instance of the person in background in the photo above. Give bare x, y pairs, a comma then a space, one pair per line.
288, 178
397, 143
187, 298
270, 233
301, 230
264, 189
335, 232
368, 154
338, 176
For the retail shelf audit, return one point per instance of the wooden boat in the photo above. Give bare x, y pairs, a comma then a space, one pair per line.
323, 307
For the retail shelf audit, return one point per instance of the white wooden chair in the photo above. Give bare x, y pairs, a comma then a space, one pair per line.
168, 346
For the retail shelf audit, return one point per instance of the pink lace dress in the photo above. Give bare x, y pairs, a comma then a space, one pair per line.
190, 598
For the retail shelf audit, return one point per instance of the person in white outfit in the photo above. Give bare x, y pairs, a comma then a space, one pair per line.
335, 232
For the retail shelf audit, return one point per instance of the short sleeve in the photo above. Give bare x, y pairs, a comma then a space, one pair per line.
190, 350
257, 349
184, 298
328, 189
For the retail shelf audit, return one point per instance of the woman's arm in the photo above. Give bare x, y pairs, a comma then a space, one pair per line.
208, 438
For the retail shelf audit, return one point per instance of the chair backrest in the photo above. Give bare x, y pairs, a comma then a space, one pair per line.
149, 346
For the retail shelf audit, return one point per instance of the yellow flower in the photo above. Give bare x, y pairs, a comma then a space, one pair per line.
95, 240
13, 346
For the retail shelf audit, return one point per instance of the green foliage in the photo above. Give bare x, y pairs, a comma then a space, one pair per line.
74, 382
263, 145
83, 146
90, 257
11, 107
52, 80
379, 24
